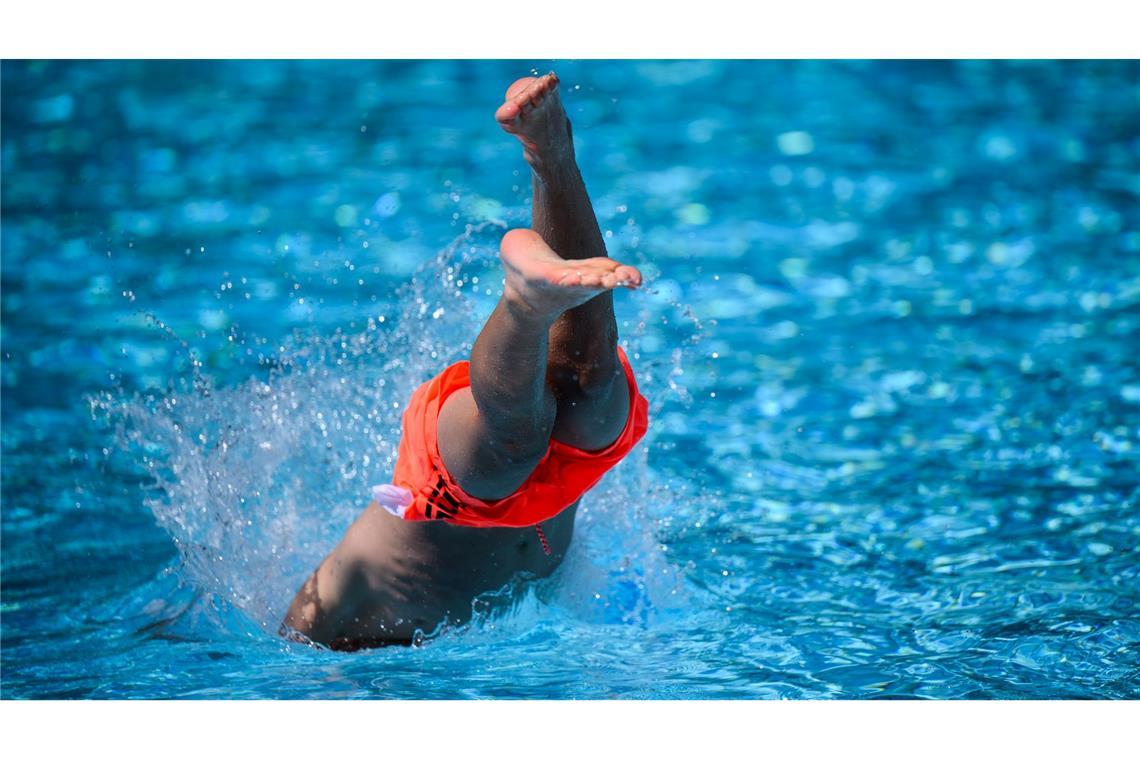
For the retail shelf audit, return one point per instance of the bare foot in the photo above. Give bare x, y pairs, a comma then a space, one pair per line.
533, 113
545, 285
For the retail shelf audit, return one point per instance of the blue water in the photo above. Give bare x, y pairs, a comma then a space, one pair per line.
890, 342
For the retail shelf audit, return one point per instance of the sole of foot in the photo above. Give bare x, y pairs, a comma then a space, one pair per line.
546, 285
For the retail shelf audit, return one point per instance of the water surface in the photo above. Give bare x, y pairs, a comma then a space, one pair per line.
889, 342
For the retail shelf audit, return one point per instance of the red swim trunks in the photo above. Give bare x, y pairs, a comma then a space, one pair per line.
563, 474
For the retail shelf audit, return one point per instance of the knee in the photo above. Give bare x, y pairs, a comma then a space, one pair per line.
600, 378
521, 439
521, 456
511, 456
584, 366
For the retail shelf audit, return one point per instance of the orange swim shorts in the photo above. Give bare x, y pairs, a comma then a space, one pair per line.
561, 477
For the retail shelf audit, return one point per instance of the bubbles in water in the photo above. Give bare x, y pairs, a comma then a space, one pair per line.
256, 482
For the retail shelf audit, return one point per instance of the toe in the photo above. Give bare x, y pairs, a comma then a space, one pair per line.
519, 87
629, 276
508, 112
547, 83
534, 91
591, 279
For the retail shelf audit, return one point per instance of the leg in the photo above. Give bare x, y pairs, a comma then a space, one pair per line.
508, 405
583, 367
492, 435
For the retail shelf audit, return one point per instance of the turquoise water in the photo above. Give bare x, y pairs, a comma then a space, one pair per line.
889, 341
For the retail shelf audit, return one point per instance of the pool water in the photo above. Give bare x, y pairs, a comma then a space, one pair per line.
889, 338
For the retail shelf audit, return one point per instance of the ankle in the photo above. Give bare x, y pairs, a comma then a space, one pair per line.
553, 168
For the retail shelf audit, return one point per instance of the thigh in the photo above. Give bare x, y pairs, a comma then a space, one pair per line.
485, 461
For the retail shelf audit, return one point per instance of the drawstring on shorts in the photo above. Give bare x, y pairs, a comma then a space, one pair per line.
542, 538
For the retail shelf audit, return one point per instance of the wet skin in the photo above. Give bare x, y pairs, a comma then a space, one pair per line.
555, 329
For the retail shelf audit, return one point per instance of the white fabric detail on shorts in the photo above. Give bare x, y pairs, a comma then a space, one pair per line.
392, 498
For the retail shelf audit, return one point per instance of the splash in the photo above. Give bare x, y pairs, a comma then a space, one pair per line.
257, 481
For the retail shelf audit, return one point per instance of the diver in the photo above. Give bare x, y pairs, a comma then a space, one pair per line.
495, 452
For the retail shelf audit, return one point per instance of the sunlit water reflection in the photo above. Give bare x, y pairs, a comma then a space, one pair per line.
889, 343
